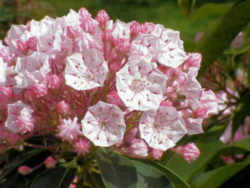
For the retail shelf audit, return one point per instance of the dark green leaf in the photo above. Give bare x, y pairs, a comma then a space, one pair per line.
243, 110
213, 43
209, 145
120, 172
243, 144
215, 178
19, 161
58, 177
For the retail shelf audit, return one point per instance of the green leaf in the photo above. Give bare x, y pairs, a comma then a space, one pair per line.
58, 177
213, 43
243, 110
243, 144
156, 168
215, 178
209, 145
19, 161
214, 10
186, 5
119, 172
241, 50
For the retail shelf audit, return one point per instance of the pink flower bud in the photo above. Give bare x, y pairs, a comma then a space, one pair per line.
227, 159
147, 27
50, 162
135, 28
6, 94
131, 134
82, 146
102, 17
156, 153
24, 170
138, 148
84, 13
190, 152
62, 107
113, 98
53, 81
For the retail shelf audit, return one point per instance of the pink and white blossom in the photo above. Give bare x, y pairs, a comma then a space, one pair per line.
140, 85
104, 124
163, 128
85, 71
32, 70
20, 119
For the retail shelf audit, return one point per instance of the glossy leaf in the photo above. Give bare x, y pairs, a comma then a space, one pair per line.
213, 43
209, 145
242, 111
58, 177
119, 171
19, 161
215, 178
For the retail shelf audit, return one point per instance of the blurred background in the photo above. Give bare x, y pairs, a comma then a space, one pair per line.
188, 16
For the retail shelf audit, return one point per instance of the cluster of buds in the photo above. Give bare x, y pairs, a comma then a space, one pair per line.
98, 82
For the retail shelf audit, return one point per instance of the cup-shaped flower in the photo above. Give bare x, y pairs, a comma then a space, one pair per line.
163, 45
32, 70
20, 118
140, 85
104, 124
161, 129
85, 71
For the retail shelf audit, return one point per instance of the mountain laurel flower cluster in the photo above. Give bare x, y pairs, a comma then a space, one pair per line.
98, 82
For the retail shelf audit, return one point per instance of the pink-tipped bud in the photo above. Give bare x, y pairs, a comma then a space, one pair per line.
156, 154
53, 81
131, 134
194, 60
88, 26
200, 112
6, 94
35, 92
166, 103
147, 27
39, 90
116, 66
102, 17
190, 152
32, 43
63, 107
135, 28
22, 46
50, 162
113, 98
227, 159
138, 148
82, 146
84, 13
24, 170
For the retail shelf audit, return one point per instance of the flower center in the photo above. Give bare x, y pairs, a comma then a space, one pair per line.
138, 85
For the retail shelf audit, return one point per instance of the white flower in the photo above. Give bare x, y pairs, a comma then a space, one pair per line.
20, 118
32, 69
161, 129
104, 124
119, 29
3, 72
140, 85
164, 45
85, 71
